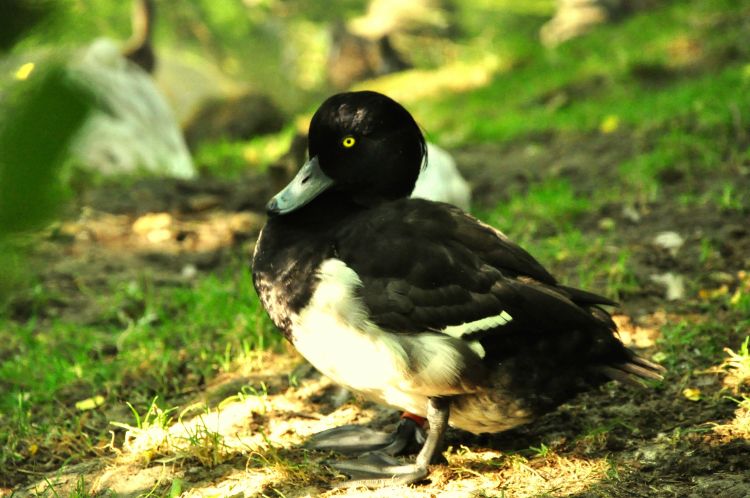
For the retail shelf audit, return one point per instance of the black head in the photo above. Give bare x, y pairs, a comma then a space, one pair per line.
362, 145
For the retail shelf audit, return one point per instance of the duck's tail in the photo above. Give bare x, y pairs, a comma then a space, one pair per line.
634, 371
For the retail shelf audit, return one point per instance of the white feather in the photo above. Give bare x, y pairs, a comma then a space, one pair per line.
487, 323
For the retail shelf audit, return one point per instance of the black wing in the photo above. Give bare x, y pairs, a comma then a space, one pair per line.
435, 266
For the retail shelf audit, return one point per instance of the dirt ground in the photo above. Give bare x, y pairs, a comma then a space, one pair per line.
618, 441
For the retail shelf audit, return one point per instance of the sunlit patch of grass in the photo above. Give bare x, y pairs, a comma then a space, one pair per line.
252, 427
149, 429
736, 367
157, 436
548, 90
81, 489
418, 84
514, 475
736, 372
272, 473
739, 427
251, 424
538, 7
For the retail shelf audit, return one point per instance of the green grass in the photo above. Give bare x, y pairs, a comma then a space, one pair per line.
550, 204
594, 77
545, 221
156, 325
148, 341
686, 345
684, 124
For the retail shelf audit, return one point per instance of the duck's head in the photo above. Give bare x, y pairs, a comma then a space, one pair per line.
363, 146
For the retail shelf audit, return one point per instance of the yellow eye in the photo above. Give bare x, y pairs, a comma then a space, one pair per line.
348, 142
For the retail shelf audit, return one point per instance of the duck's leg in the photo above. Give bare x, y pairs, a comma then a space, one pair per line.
357, 439
376, 469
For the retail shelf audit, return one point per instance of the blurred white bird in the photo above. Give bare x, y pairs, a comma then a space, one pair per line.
440, 180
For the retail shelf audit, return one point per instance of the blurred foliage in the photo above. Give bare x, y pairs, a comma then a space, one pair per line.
280, 46
31, 154
38, 123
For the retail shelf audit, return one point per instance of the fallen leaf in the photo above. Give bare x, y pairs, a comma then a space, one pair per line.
692, 394
609, 124
24, 71
152, 221
90, 403
707, 294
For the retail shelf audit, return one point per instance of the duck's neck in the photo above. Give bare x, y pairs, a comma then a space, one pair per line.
143, 22
138, 48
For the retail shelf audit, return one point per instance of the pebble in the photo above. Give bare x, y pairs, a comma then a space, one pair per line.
631, 214
671, 241
673, 283
189, 271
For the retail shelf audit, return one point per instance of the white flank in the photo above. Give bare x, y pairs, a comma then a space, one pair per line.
401, 370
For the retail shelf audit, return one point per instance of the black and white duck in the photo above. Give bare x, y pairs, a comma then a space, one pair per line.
416, 304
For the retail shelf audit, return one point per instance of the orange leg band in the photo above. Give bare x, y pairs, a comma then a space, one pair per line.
416, 418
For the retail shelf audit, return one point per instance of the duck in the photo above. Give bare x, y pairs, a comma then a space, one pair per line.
416, 304
353, 57
379, 42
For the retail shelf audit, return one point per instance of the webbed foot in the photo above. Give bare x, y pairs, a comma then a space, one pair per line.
356, 440
376, 466
376, 469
